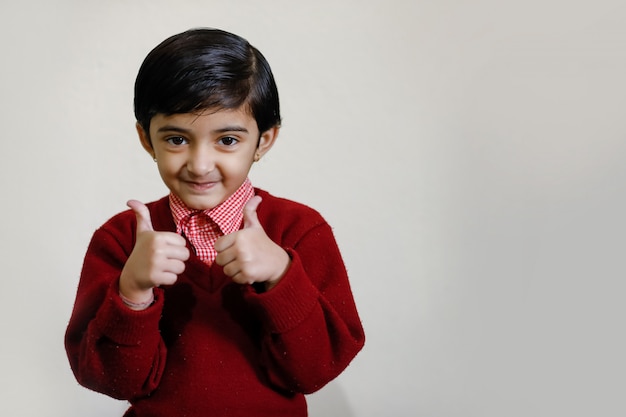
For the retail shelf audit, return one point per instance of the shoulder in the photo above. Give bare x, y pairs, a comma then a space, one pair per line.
273, 205
281, 214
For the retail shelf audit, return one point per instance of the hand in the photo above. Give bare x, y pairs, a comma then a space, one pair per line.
249, 255
156, 259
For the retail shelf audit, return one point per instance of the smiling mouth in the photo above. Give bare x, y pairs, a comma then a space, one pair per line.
201, 186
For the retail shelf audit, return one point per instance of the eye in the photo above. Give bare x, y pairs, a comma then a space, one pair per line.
228, 141
176, 140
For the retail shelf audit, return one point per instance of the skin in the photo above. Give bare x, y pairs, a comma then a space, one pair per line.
203, 159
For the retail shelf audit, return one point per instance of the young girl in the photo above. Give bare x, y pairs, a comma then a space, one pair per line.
218, 299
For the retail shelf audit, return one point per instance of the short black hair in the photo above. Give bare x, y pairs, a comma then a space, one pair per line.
206, 69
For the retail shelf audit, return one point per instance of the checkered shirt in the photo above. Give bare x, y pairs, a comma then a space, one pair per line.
203, 227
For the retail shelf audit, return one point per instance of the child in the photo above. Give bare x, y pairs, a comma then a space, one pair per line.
219, 299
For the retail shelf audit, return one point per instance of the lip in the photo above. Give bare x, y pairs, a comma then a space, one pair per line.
201, 186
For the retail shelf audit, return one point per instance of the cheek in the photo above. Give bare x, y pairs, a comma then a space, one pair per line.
236, 167
168, 166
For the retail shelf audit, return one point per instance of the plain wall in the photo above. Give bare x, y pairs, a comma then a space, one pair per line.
471, 156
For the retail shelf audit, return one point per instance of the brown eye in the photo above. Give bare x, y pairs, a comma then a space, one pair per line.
176, 140
228, 141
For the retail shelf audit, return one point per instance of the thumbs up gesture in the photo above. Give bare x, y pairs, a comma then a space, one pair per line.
249, 255
157, 258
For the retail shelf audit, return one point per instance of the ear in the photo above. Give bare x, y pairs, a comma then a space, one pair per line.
267, 141
144, 138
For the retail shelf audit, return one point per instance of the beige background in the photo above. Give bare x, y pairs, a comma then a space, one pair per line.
469, 154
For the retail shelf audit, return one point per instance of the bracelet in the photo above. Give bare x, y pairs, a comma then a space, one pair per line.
137, 306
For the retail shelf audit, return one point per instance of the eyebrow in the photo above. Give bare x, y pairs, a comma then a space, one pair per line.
233, 128
173, 128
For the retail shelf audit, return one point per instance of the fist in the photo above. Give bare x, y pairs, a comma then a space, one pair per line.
157, 258
249, 255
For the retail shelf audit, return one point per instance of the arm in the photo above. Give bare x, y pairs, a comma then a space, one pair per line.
311, 326
111, 348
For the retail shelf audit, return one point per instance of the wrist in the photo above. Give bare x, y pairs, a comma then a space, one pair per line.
138, 305
133, 297
271, 283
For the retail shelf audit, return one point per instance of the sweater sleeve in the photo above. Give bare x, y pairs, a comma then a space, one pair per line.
112, 349
312, 329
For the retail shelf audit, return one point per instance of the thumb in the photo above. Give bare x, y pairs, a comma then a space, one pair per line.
250, 219
144, 222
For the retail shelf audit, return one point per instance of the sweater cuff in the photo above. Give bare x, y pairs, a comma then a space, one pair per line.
290, 302
125, 326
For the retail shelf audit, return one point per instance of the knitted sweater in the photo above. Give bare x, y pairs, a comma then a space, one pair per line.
208, 346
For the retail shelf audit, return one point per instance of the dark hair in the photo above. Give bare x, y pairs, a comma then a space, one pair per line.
202, 69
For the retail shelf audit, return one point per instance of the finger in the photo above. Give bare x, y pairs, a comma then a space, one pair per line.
225, 257
232, 270
224, 242
174, 266
250, 218
144, 222
176, 252
166, 278
171, 239
240, 278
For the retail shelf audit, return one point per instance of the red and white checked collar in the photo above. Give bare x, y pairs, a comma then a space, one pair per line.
203, 227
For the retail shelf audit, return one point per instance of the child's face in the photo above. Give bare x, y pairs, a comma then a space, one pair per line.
204, 158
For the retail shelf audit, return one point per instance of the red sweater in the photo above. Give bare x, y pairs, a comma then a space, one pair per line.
208, 346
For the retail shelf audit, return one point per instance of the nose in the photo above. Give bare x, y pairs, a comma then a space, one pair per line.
201, 161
